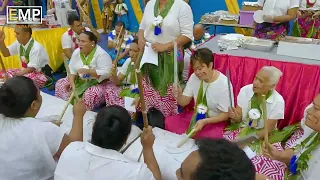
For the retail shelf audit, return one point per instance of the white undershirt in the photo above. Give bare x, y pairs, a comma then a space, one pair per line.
38, 56
217, 93
179, 21
101, 62
277, 7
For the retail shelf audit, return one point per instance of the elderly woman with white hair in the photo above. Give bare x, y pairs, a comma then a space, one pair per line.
249, 111
247, 117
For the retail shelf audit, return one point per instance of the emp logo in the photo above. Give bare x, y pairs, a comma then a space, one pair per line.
19, 15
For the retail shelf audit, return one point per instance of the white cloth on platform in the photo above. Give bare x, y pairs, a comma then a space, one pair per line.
217, 93
27, 148
101, 62
67, 42
38, 57
179, 21
52, 107
168, 156
85, 161
276, 7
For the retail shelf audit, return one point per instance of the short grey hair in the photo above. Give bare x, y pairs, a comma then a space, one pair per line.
275, 74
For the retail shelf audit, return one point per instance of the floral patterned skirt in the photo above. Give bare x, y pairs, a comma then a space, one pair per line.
306, 26
273, 31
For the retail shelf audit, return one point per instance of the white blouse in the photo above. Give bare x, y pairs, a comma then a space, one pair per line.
27, 148
179, 21
316, 6
101, 62
275, 103
277, 7
38, 57
217, 93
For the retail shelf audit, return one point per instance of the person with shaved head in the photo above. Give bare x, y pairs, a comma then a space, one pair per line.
33, 56
199, 37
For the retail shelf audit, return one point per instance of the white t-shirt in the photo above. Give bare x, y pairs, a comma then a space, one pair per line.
123, 70
85, 161
275, 103
217, 93
38, 57
278, 7
66, 39
179, 21
120, 8
101, 62
316, 6
27, 148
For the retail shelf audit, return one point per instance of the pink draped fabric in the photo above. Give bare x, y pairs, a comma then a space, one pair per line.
298, 85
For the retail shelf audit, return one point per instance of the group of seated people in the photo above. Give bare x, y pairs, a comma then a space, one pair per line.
94, 75
32, 149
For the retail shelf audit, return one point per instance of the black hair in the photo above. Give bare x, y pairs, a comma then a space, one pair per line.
155, 118
91, 36
203, 55
135, 40
111, 128
28, 30
221, 160
72, 16
16, 96
25, 28
121, 23
187, 45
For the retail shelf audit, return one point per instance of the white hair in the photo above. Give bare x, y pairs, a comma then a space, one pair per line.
274, 74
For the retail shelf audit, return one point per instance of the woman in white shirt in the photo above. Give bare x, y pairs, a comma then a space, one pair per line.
90, 67
100, 159
303, 156
163, 22
123, 84
277, 15
308, 22
209, 88
247, 117
29, 146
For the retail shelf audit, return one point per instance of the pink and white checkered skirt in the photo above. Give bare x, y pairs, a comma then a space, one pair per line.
38, 77
166, 104
111, 95
264, 165
93, 96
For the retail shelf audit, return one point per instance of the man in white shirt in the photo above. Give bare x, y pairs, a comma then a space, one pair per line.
32, 54
100, 159
70, 39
